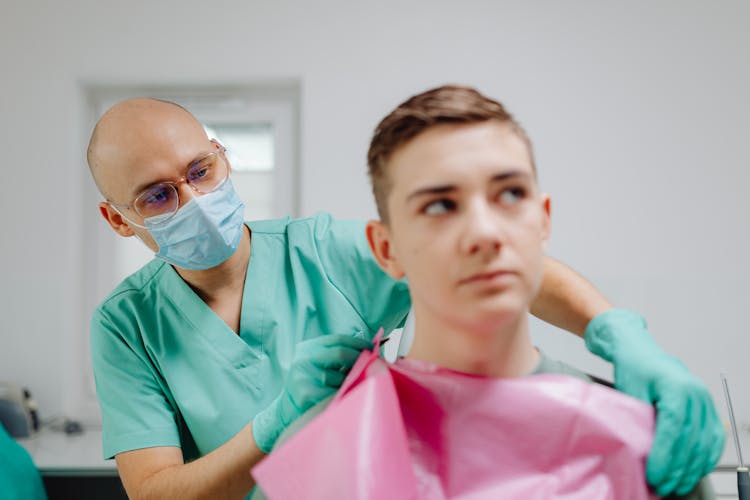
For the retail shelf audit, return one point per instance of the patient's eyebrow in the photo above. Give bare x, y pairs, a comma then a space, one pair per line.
431, 190
448, 188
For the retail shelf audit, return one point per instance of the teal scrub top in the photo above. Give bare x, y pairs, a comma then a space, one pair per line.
170, 372
19, 477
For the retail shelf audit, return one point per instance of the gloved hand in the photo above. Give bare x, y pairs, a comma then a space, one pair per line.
318, 369
689, 437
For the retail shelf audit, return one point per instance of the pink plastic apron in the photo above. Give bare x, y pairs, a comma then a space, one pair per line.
414, 431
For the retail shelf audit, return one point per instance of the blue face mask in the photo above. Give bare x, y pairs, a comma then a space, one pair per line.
205, 232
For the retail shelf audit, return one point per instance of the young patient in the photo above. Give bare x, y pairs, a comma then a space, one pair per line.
464, 220
462, 214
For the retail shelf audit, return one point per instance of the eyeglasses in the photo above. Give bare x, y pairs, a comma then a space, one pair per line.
159, 202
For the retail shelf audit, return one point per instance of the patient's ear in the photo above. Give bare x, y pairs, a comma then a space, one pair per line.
546, 220
379, 238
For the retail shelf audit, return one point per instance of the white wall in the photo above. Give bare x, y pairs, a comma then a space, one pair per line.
638, 110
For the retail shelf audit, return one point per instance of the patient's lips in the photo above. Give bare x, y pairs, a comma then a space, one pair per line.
498, 277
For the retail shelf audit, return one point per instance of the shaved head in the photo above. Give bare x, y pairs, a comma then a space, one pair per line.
140, 132
138, 143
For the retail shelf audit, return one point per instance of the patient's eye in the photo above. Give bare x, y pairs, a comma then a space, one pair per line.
439, 207
512, 195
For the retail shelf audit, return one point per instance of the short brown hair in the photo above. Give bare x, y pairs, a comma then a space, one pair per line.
446, 104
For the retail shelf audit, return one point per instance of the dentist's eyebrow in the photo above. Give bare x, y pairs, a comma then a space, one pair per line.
448, 188
143, 186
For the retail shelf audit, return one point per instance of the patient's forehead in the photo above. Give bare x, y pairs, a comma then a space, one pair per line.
455, 153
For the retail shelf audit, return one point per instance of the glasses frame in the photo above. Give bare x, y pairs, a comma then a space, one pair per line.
175, 184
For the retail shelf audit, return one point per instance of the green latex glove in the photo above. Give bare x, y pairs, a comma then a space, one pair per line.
689, 437
318, 369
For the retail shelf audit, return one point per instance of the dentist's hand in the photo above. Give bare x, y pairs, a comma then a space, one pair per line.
689, 437
318, 369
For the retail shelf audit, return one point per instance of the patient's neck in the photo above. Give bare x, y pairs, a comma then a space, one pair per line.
503, 350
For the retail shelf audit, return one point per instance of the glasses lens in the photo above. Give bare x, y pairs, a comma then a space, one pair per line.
208, 173
159, 199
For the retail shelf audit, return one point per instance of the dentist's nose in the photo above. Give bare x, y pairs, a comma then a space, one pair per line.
482, 233
185, 192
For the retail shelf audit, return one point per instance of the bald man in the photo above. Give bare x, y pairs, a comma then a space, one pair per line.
207, 353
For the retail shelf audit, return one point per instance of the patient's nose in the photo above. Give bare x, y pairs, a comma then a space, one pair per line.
482, 233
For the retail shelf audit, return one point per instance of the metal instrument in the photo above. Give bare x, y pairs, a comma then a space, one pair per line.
743, 477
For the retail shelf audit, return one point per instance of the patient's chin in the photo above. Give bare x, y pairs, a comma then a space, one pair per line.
497, 320
500, 308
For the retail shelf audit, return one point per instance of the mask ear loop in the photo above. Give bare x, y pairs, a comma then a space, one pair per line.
133, 223
130, 221
141, 240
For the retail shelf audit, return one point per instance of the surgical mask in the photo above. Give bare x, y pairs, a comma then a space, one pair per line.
205, 232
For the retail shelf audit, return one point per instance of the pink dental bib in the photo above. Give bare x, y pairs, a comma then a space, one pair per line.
415, 431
